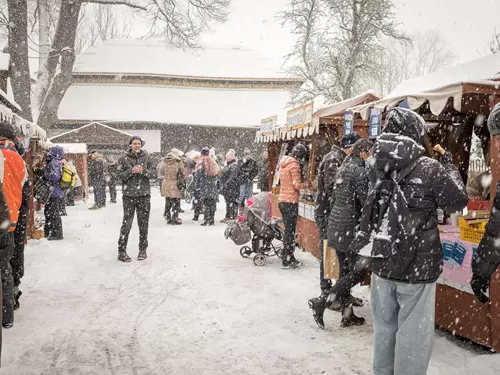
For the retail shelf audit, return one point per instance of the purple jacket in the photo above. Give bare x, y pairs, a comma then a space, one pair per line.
53, 170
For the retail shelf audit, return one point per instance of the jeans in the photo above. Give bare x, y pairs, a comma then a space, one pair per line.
290, 214
100, 194
246, 191
403, 324
172, 208
231, 209
53, 222
142, 205
6, 252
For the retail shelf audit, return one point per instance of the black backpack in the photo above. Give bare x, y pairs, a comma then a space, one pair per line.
386, 229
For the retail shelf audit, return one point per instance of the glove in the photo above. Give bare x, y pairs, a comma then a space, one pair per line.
480, 286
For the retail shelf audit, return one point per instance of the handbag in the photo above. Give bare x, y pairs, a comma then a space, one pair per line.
181, 183
43, 190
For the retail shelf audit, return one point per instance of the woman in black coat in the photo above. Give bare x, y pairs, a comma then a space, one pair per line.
349, 196
230, 186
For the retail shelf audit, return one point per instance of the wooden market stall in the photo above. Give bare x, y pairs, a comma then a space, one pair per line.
318, 131
455, 103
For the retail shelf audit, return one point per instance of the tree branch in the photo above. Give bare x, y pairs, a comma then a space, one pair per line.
117, 2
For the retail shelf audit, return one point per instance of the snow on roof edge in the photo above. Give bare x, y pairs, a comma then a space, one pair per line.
84, 126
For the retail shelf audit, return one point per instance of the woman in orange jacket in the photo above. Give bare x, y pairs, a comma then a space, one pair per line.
288, 201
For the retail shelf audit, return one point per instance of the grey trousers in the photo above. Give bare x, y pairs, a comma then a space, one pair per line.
403, 324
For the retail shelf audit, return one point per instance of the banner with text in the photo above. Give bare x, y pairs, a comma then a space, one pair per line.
299, 117
268, 125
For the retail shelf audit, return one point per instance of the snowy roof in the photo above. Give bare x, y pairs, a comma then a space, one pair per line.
154, 57
438, 88
171, 104
73, 148
84, 131
340, 107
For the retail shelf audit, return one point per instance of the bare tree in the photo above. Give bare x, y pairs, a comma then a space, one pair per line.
336, 45
494, 44
180, 22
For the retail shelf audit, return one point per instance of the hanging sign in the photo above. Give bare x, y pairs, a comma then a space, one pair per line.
348, 122
299, 117
268, 125
276, 179
375, 123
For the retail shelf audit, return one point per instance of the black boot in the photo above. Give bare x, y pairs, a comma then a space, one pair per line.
123, 257
349, 319
318, 306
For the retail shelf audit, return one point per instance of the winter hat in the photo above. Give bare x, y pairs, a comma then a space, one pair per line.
136, 137
231, 155
348, 140
405, 122
177, 152
299, 151
494, 121
205, 151
8, 130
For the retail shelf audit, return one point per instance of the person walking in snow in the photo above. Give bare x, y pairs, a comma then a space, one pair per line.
134, 171
205, 179
248, 171
405, 254
111, 177
53, 174
347, 199
230, 186
487, 257
97, 178
173, 185
264, 172
288, 201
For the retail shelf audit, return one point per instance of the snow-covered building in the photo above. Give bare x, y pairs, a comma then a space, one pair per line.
175, 98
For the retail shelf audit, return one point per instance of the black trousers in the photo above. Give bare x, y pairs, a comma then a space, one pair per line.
210, 208
70, 197
17, 260
290, 214
231, 208
112, 190
100, 194
172, 208
53, 222
6, 252
131, 205
352, 271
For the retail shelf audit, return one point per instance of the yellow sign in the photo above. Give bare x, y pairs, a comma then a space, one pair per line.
299, 117
268, 125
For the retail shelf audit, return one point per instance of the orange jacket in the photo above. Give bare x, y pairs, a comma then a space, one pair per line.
290, 184
13, 175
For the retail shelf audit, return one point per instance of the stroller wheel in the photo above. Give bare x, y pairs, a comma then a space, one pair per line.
259, 260
278, 250
246, 251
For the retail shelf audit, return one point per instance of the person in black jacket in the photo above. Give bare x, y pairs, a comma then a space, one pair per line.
487, 257
135, 169
264, 172
230, 186
348, 197
111, 177
326, 178
249, 170
97, 178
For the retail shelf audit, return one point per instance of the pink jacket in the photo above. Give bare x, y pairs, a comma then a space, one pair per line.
290, 184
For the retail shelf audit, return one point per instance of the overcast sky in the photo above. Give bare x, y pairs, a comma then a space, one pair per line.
467, 25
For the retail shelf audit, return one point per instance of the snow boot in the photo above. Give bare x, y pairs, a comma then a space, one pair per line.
318, 305
123, 257
142, 255
93, 208
349, 319
17, 294
176, 222
356, 302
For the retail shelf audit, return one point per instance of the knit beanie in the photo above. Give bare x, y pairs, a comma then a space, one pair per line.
494, 121
7, 130
405, 122
205, 151
231, 155
348, 140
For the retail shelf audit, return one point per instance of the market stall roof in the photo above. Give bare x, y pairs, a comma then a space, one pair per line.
480, 76
93, 133
171, 104
30, 129
337, 109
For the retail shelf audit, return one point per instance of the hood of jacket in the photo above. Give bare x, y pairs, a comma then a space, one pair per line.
392, 152
287, 160
57, 152
172, 158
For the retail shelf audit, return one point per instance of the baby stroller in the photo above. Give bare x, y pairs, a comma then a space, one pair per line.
257, 225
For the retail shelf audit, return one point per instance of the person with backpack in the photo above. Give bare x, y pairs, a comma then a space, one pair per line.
53, 173
323, 207
205, 179
98, 169
399, 240
173, 186
487, 257
111, 177
348, 198
288, 201
249, 169
75, 184
230, 186
135, 169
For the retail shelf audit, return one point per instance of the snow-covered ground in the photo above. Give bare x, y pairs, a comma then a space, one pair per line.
194, 307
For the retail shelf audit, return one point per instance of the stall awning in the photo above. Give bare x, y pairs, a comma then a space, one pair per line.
31, 130
283, 133
337, 110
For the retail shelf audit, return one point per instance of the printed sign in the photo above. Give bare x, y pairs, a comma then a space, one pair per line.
447, 250
299, 117
457, 270
458, 254
375, 123
348, 122
268, 125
